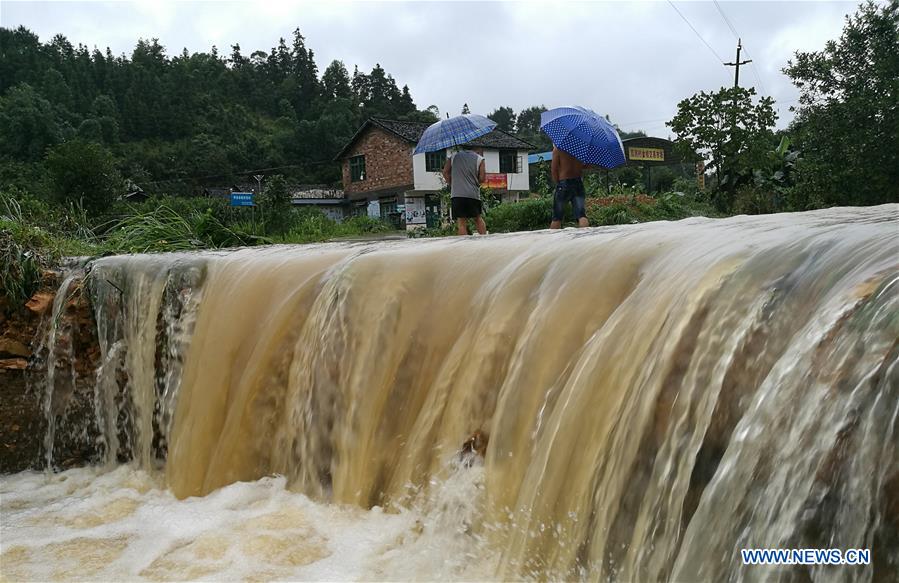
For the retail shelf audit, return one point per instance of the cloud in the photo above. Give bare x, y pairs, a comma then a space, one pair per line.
632, 60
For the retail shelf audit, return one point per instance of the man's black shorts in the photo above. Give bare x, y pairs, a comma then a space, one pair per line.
466, 208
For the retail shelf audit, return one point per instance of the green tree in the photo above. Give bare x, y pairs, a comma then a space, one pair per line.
55, 89
847, 124
305, 72
626, 135
83, 173
176, 124
378, 94
729, 131
528, 125
405, 104
23, 58
504, 118
90, 130
529, 120
28, 124
336, 81
275, 205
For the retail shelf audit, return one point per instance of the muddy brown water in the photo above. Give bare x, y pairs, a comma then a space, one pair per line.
657, 398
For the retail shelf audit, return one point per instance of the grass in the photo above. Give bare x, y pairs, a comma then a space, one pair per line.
27, 250
20, 267
315, 227
35, 236
164, 229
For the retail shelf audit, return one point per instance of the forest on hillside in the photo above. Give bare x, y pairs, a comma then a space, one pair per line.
173, 123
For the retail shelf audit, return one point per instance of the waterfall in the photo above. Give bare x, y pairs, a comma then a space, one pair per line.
656, 397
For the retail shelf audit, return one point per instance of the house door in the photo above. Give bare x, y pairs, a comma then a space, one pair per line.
389, 212
432, 211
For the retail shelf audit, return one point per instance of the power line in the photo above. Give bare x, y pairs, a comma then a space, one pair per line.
733, 29
633, 123
726, 19
699, 36
758, 76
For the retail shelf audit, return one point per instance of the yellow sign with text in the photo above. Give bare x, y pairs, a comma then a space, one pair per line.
651, 154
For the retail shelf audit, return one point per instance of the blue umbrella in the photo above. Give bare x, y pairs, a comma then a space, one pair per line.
585, 135
447, 133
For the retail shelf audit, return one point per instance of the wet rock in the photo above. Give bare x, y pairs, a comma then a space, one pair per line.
12, 347
13, 363
40, 302
473, 448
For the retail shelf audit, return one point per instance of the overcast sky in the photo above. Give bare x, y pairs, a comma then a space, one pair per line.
631, 60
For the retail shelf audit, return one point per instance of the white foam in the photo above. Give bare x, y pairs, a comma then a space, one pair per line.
85, 524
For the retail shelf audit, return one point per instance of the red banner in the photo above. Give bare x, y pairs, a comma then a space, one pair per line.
497, 181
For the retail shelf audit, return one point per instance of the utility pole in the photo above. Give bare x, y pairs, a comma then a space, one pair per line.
731, 187
736, 64
258, 178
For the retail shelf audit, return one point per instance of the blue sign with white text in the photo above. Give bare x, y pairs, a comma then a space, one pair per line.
242, 199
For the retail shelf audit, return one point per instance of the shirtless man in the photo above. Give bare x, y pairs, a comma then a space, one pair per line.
566, 173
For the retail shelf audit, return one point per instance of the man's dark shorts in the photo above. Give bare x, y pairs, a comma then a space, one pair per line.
569, 190
466, 208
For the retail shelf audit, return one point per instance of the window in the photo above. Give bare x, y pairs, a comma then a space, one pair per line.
509, 162
388, 207
434, 161
389, 212
357, 168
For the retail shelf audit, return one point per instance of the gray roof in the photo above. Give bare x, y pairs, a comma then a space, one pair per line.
411, 131
315, 191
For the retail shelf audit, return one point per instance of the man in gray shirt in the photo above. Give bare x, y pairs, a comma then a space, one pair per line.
464, 172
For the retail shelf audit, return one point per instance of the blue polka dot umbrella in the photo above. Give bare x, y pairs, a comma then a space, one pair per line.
454, 131
585, 135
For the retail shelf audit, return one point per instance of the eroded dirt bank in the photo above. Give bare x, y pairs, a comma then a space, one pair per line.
24, 355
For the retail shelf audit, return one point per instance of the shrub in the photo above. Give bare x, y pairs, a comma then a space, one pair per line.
83, 174
753, 200
275, 206
525, 215
363, 225
309, 225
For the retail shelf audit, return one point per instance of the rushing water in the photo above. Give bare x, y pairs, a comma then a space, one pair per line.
656, 396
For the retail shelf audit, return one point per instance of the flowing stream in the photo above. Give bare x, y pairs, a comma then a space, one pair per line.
656, 398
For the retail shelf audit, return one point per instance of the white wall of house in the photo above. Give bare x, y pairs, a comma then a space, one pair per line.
425, 180
491, 160
434, 180
335, 213
516, 180
520, 180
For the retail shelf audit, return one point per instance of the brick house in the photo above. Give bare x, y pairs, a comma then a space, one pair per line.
380, 172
